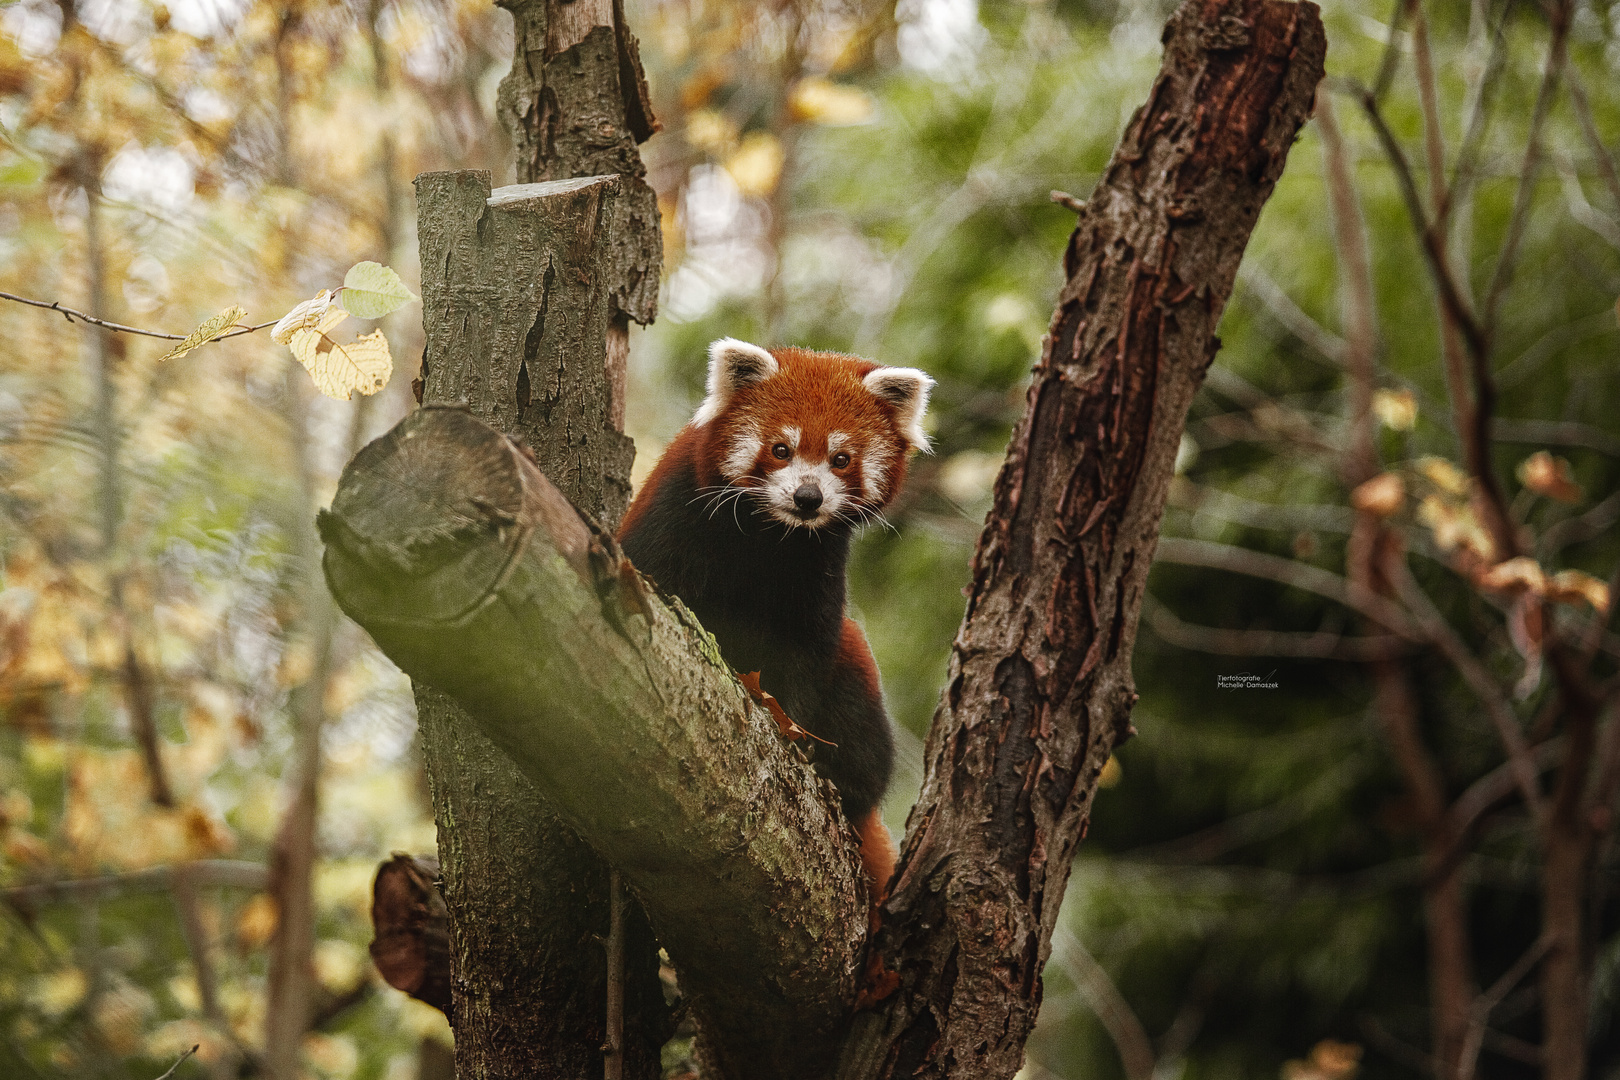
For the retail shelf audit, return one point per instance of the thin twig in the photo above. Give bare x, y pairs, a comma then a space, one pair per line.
1392, 52
1280, 306
71, 314
1450, 294
1487, 1002
1440, 632
1107, 1004
1583, 112
1475, 436
1324, 645
178, 1062
222, 872
1300, 575
1462, 176
1559, 16
1451, 349
1360, 315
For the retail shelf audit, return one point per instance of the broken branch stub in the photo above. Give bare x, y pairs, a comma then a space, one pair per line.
476, 576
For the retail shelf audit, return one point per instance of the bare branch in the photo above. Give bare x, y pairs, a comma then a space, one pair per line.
72, 314
181, 1060
1594, 141
1356, 291
1300, 575
1483, 685
1107, 1003
1558, 13
208, 872
1323, 644
1487, 1002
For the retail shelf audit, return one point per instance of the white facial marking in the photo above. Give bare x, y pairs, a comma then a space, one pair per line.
743, 452
836, 441
874, 472
780, 486
791, 436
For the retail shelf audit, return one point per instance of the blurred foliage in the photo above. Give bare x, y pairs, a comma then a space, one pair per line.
845, 174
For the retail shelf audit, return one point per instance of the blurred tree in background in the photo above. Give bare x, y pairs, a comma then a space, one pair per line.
1329, 867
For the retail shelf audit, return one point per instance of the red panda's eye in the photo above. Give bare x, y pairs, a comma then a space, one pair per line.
840, 461
781, 451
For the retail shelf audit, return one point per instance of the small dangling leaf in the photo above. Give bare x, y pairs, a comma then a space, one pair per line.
205, 333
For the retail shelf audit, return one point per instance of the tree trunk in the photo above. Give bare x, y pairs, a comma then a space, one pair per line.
1039, 688
527, 898
517, 318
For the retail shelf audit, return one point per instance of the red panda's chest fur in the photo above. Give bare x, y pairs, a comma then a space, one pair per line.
748, 518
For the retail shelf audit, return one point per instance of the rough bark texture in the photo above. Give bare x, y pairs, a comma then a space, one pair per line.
528, 898
476, 576
576, 103
1040, 687
516, 321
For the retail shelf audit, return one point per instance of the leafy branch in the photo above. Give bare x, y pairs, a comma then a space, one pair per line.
369, 291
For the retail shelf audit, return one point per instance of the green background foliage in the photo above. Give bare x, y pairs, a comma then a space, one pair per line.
1251, 883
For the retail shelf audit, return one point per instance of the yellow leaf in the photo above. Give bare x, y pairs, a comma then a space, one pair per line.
306, 316
1395, 409
1444, 475
1546, 475
56, 993
1521, 573
1455, 527
363, 364
1571, 586
257, 921
1111, 773
821, 101
338, 964
205, 333
757, 164
1381, 496
711, 130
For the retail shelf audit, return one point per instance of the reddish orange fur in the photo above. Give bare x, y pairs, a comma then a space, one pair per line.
786, 619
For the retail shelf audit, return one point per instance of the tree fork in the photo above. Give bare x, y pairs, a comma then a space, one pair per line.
1039, 686
472, 572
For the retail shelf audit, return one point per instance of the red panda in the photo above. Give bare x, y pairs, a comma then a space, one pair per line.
748, 518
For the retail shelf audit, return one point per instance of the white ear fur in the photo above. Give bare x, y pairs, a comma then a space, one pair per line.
733, 365
907, 390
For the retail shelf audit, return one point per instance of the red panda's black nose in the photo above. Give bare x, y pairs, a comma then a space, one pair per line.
807, 499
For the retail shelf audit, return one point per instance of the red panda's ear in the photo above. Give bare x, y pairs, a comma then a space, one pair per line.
733, 365
907, 390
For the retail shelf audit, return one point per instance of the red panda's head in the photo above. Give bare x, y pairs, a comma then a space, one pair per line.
813, 438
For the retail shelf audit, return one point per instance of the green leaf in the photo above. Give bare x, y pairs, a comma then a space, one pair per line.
371, 290
207, 332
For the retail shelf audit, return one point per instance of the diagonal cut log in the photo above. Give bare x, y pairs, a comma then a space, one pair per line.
476, 576
1039, 686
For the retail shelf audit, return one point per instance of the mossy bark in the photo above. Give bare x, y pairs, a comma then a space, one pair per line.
476, 576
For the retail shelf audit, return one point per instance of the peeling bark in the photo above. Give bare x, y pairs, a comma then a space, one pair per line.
1039, 687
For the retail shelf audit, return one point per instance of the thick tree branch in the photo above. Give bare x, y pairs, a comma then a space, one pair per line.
1039, 685
476, 576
